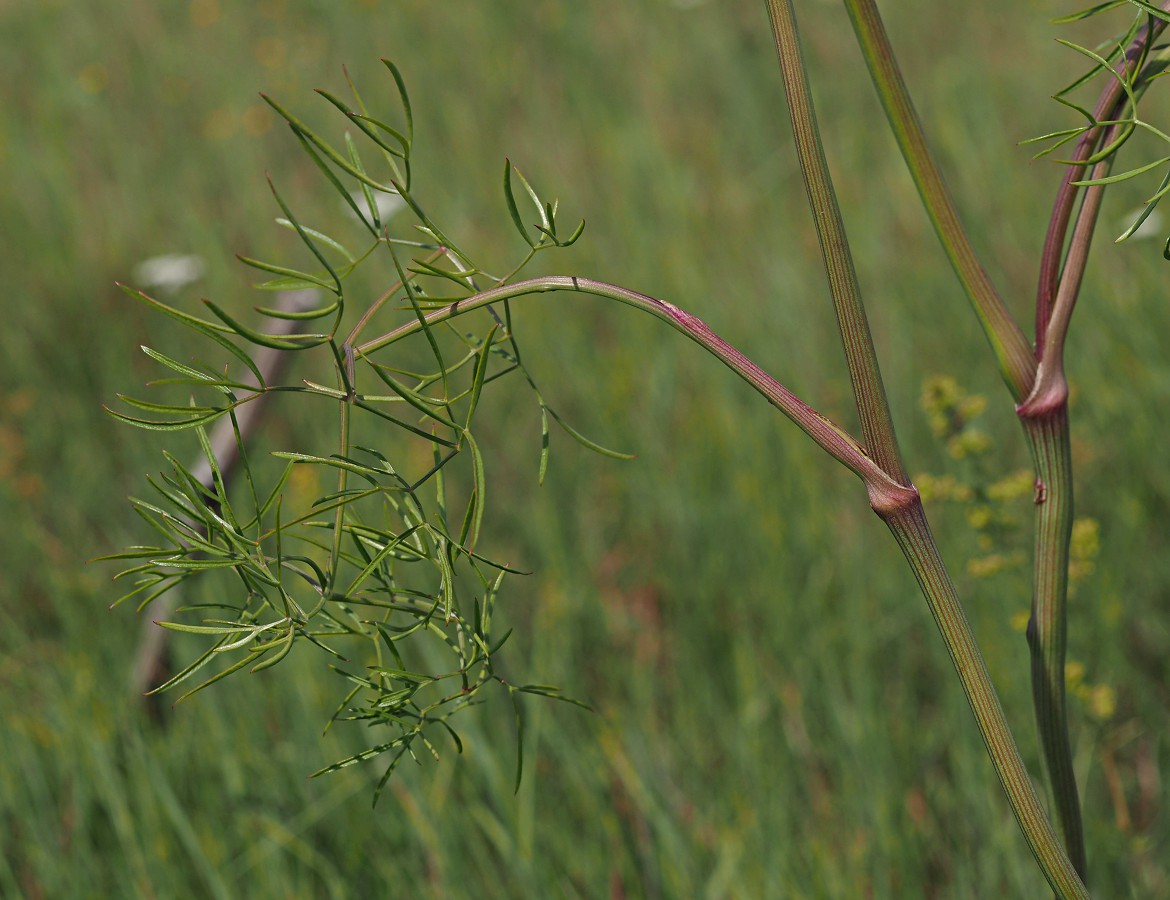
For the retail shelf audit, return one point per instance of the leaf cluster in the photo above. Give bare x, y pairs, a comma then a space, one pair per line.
383, 571
1130, 65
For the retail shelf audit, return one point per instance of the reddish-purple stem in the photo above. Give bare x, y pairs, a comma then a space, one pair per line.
1052, 263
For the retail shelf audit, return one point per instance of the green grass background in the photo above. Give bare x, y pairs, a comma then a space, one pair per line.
775, 714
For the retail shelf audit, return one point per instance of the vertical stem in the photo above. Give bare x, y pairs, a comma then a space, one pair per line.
1106, 108
912, 531
869, 395
1045, 419
345, 406
1048, 437
1017, 364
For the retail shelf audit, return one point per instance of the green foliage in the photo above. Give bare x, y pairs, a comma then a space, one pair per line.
644, 796
1132, 66
408, 532
386, 556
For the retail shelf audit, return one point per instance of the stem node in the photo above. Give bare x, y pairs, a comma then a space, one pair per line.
888, 498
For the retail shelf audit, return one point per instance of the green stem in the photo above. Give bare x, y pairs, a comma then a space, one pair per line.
1017, 363
1048, 437
1044, 416
877, 426
897, 504
345, 381
912, 531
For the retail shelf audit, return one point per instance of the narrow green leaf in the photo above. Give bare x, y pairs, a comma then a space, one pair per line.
177, 409
403, 675
336, 182
519, 713
477, 380
285, 284
386, 775
319, 236
1124, 176
361, 121
447, 575
340, 708
206, 629
307, 240
390, 155
283, 646
299, 278
161, 584
369, 753
234, 667
540, 207
585, 442
1086, 13
390, 130
553, 693
424, 404
367, 193
510, 199
426, 435
276, 342
325, 390
214, 381
479, 491
405, 98
187, 671
423, 323
307, 315
1150, 9
207, 329
337, 462
337, 159
151, 425
422, 267
1104, 64
1163, 189
544, 445
378, 559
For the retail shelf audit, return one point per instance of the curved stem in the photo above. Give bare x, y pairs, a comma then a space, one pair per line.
834, 440
899, 507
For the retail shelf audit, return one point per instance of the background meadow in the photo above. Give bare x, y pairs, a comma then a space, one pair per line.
775, 715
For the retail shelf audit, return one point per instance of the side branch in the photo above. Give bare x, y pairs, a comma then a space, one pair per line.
831, 438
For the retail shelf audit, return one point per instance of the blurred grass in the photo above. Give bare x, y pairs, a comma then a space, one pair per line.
775, 714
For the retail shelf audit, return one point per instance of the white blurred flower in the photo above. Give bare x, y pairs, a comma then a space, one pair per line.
169, 273
388, 204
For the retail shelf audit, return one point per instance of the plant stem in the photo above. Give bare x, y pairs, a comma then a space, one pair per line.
1048, 437
1051, 264
897, 504
1017, 364
831, 438
877, 426
912, 532
1045, 419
